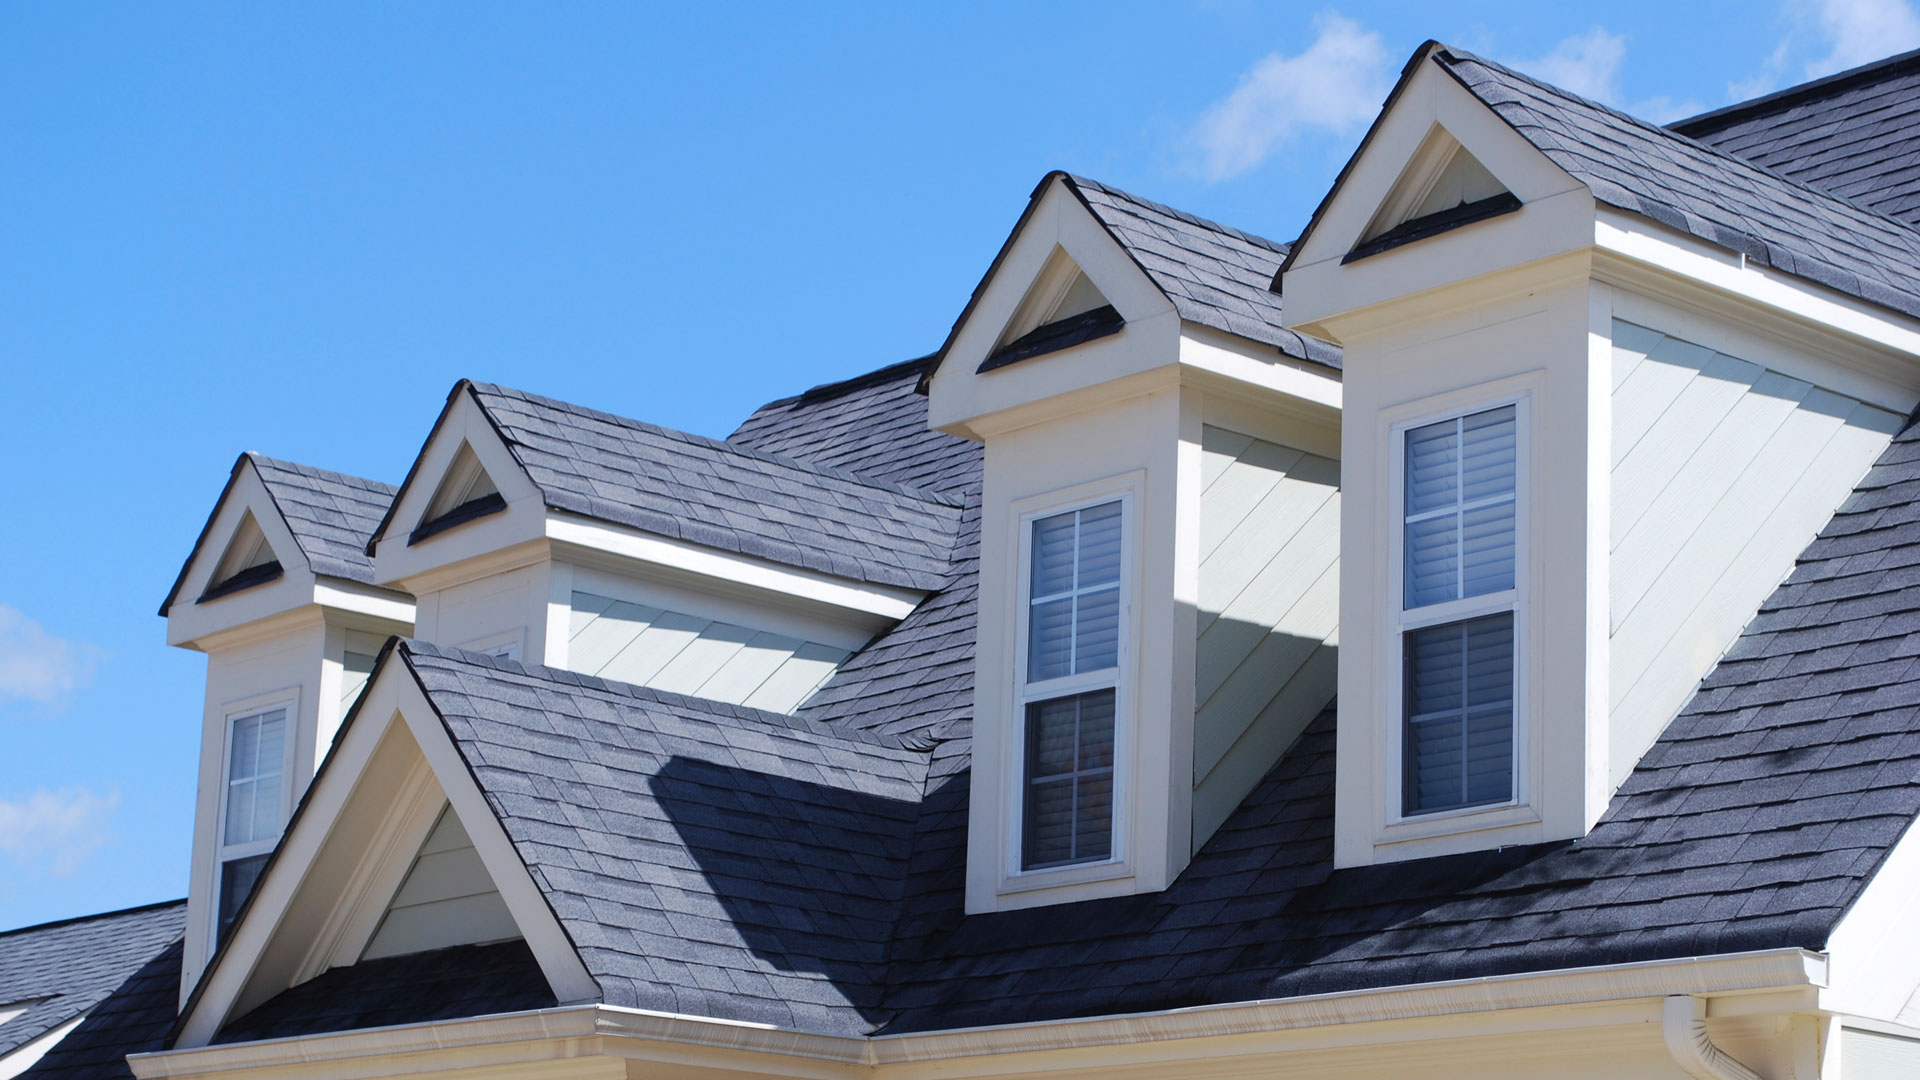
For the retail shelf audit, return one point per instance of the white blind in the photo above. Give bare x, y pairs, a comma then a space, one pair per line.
1459, 714
1069, 803
1073, 618
1460, 483
253, 776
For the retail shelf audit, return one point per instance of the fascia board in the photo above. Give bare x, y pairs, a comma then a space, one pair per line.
1738, 984
1224, 361
352, 597
187, 620
463, 420
1059, 219
1642, 255
580, 539
393, 703
1428, 97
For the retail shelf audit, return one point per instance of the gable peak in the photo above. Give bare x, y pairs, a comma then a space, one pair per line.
1442, 185
1062, 307
247, 560
465, 492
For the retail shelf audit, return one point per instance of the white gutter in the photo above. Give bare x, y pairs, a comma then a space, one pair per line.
588, 1026
1683, 1021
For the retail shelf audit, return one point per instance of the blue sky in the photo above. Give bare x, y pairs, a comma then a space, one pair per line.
291, 228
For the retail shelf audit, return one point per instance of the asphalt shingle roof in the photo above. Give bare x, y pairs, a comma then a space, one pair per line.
723, 495
1686, 185
1855, 134
330, 514
66, 969
1214, 274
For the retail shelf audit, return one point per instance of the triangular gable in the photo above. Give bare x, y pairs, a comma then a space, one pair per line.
243, 538
1433, 147
376, 811
1057, 242
465, 494
1062, 308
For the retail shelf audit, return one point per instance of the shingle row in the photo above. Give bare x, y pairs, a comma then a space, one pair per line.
330, 514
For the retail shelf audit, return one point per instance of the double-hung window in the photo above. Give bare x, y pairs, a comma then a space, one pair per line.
1068, 692
255, 799
1460, 577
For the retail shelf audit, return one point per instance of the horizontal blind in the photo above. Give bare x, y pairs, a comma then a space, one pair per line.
1460, 478
1073, 618
1458, 741
1068, 814
253, 776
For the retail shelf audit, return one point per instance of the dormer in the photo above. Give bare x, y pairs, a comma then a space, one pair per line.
539, 531
279, 595
1159, 523
1586, 432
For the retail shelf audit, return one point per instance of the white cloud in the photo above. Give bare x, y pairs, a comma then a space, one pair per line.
1589, 65
37, 666
1825, 36
1336, 86
61, 828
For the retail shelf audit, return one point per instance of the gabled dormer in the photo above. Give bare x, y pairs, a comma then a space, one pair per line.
536, 530
1586, 432
1159, 535
279, 594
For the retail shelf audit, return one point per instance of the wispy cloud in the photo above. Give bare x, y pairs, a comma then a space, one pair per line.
37, 666
1335, 86
56, 828
1825, 36
1589, 65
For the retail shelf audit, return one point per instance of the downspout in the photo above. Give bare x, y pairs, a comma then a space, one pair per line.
1683, 1021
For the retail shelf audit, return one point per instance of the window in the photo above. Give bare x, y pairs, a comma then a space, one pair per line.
254, 805
1459, 571
1069, 685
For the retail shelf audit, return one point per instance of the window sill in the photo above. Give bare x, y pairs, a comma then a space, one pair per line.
1476, 819
1056, 877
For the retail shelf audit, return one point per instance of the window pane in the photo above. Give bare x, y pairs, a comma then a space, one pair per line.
1068, 811
1073, 622
246, 748
253, 777
1461, 482
1458, 742
237, 879
240, 812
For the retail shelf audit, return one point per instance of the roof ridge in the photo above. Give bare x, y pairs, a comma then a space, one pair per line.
1795, 94
1275, 246
72, 919
1447, 51
721, 445
713, 708
259, 458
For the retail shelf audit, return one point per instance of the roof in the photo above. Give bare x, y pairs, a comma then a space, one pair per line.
703, 858
874, 425
438, 984
331, 516
67, 968
720, 495
1702, 191
1855, 134
1213, 274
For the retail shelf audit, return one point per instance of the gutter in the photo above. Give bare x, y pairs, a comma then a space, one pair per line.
1683, 1022
584, 1030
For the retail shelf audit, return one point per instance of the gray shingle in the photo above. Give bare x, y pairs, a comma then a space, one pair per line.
69, 968
330, 514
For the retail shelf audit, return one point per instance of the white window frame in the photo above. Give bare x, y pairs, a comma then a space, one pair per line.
506, 645
1398, 823
1125, 491
223, 852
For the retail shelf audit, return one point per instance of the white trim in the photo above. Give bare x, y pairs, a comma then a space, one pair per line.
1127, 490
602, 1029
1399, 824
25, 1055
506, 645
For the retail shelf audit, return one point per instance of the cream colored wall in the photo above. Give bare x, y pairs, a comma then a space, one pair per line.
1266, 652
1879, 1055
691, 654
1722, 470
447, 898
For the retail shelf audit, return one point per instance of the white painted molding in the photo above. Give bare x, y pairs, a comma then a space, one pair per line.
23, 1057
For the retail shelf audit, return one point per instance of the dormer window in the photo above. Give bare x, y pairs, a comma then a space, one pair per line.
1069, 685
1459, 601
254, 802
466, 493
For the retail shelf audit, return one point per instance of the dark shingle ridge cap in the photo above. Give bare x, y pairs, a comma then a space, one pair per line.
707, 708
71, 920
1447, 55
1800, 93
830, 390
718, 446
380, 487
1192, 219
